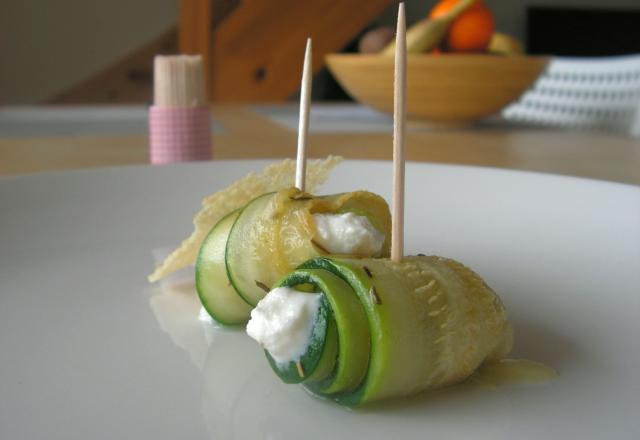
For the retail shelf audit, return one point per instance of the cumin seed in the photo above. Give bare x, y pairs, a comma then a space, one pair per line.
300, 369
263, 286
374, 296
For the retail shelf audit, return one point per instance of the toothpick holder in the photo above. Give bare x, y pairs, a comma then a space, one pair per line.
179, 134
179, 120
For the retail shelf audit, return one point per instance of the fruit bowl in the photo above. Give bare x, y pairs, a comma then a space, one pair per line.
444, 88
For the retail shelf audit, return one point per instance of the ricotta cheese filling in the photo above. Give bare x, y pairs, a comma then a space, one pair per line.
282, 323
348, 233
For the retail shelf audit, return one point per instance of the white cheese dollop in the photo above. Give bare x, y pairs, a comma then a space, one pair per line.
282, 322
348, 233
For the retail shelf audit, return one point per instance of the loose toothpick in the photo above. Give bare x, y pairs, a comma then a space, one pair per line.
303, 125
399, 106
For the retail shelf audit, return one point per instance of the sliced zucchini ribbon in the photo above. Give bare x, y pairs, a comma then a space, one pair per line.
389, 329
250, 249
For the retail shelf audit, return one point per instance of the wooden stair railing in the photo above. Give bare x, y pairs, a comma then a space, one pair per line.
255, 53
252, 49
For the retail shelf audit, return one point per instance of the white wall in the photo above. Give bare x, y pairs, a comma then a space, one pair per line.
48, 45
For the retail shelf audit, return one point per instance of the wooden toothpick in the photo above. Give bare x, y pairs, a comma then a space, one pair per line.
303, 125
399, 106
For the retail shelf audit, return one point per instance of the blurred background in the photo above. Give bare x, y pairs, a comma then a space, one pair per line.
93, 51
538, 85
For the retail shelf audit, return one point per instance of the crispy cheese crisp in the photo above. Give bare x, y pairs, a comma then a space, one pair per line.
274, 177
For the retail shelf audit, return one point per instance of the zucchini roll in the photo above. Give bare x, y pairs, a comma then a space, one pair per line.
247, 251
362, 330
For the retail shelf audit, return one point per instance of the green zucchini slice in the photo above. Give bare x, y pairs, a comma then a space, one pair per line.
349, 343
426, 322
299, 370
245, 260
275, 232
216, 293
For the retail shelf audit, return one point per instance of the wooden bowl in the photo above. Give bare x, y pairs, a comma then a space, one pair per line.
440, 88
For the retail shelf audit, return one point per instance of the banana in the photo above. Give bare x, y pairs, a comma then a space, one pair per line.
505, 45
426, 34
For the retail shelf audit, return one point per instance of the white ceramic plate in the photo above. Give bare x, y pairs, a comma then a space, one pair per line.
90, 350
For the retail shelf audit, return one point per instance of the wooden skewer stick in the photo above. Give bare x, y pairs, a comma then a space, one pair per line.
399, 107
303, 125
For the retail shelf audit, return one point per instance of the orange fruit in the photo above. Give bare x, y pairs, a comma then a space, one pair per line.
471, 31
